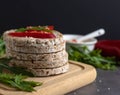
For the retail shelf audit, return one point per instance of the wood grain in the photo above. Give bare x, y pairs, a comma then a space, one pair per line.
79, 75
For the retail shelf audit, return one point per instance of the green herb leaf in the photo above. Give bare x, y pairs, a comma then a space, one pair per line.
2, 47
18, 82
83, 54
16, 79
17, 70
21, 29
38, 28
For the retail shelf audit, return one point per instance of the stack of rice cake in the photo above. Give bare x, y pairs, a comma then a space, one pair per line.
42, 57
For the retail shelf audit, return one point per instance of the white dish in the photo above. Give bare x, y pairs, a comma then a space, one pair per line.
89, 43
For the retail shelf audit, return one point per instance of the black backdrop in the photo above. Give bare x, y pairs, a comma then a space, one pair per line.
68, 16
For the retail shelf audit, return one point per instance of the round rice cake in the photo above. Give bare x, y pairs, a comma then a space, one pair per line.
39, 57
39, 64
38, 49
34, 45
49, 72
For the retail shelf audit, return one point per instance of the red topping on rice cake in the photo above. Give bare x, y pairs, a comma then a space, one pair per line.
35, 32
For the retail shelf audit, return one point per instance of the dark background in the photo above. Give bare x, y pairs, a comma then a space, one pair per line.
68, 16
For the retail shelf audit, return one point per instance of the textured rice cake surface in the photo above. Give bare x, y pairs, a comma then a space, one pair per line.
48, 72
40, 64
34, 45
42, 57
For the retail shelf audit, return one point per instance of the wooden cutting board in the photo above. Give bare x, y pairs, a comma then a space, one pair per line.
79, 75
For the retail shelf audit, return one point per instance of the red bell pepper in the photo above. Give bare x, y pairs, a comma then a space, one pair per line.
109, 47
33, 33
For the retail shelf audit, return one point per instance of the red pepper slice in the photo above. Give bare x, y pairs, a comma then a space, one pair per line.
50, 27
33, 33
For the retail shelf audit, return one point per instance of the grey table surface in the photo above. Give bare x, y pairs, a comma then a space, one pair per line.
106, 83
